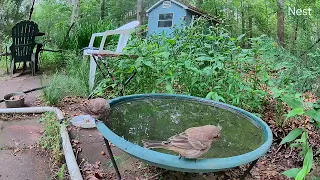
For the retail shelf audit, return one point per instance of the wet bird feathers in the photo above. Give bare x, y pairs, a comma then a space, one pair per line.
192, 143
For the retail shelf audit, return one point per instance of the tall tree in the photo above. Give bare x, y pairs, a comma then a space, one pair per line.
280, 17
75, 12
250, 21
139, 11
102, 9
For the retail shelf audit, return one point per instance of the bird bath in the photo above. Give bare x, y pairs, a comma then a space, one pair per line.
244, 137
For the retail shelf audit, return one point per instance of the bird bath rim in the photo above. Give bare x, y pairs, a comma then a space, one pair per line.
173, 162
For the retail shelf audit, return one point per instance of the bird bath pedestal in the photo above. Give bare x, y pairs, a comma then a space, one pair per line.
244, 136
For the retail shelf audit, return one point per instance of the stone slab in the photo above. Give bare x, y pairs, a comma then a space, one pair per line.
19, 134
24, 165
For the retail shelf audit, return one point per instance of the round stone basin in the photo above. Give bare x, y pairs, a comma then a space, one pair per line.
244, 136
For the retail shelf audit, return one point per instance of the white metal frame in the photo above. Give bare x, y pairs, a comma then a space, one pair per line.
125, 34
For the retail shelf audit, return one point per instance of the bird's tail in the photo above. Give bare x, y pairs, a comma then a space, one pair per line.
155, 144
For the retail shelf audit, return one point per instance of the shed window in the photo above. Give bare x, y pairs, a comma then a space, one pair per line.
166, 4
165, 20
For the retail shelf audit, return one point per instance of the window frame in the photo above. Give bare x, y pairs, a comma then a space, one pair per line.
166, 20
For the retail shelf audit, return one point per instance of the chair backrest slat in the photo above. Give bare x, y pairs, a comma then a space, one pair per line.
23, 40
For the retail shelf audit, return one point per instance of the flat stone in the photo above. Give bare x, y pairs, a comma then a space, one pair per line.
92, 144
25, 164
19, 134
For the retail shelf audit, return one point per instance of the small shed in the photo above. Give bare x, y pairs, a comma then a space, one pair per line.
166, 14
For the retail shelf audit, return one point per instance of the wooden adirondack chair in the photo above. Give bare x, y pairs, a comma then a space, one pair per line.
23, 44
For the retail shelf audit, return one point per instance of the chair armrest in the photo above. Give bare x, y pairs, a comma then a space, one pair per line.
122, 31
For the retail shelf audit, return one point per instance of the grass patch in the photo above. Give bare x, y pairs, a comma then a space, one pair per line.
51, 138
61, 85
71, 80
52, 142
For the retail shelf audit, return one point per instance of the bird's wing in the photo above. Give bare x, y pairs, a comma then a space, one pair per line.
184, 141
200, 145
180, 141
192, 153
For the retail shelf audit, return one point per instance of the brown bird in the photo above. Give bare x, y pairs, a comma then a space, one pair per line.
99, 108
192, 143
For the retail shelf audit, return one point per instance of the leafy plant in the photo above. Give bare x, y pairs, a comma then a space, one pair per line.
205, 63
299, 108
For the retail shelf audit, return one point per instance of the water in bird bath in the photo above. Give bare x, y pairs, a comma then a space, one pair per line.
159, 119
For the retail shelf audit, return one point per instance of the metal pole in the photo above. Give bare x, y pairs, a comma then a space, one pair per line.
94, 58
31, 10
112, 159
252, 164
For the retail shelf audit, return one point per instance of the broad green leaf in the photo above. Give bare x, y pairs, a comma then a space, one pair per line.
240, 37
311, 112
314, 114
172, 41
296, 145
276, 92
169, 88
292, 102
291, 173
148, 63
307, 165
204, 58
292, 135
294, 112
215, 96
209, 95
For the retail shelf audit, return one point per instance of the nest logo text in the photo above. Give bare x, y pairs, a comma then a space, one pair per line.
299, 12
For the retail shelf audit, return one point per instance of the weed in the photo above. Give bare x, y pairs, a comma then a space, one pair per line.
51, 138
61, 172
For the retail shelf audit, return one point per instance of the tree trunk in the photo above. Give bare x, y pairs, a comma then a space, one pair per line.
139, 11
75, 12
250, 22
280, 15
243, 22
103, 9
295, 34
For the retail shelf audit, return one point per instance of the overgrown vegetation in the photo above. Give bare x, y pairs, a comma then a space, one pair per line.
207, 62
249, 60
72, 80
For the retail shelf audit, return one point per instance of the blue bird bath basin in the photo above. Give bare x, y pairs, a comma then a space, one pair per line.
244, 136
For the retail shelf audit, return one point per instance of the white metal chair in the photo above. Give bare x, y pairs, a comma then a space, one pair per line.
125, 34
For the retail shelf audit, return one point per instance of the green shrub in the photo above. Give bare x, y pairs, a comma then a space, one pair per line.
204, 63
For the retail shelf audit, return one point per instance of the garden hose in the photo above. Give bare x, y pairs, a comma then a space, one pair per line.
28, 91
